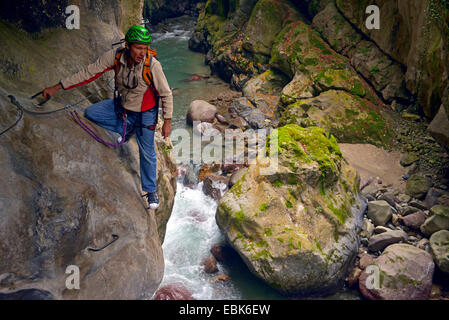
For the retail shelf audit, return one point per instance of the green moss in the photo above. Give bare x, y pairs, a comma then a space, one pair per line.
288, 204
341, 213
268, 232
357, 89
263, 207
237, 187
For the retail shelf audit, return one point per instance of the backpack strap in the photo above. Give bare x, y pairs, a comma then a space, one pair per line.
118, 54
147, 76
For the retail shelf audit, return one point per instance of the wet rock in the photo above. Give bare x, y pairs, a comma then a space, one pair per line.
381, 229
423, 244
406, 271
221, 252
435, 293
367, 228
206, 129
208, 170
365, 261
389, 197
379, 242
215, 186
175, 291
439, 245
231, 167
353, 278
236, 176
403, 198
405, 211
222, 278
379, 212
221, 119
417, 186
190, 177
418, 204
432, 197
396, 220
409, 159
202, 111
439, 220
414, 220
210, 265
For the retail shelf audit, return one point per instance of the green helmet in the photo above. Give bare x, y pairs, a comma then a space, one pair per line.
138, 34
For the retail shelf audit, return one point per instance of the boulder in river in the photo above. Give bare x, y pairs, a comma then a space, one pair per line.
202, 111
298, 228
174, 291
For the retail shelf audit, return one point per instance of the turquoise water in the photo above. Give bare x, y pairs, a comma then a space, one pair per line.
179, 64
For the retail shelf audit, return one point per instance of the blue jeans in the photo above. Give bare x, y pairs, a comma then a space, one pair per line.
103, 114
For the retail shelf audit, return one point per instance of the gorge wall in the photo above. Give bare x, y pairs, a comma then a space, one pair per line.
63, 193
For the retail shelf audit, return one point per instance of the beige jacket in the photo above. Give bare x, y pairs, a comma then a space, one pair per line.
137, 99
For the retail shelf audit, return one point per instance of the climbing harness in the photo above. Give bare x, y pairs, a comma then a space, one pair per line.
107, 244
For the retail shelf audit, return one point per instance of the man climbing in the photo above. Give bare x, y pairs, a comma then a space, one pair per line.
139, 82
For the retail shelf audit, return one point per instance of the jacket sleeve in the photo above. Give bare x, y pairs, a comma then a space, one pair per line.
91, 72
161, 84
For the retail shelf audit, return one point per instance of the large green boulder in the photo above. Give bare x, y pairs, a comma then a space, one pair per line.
417, 186
349, 118
296, 229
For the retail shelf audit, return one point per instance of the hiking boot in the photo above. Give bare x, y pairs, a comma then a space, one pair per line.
152, 199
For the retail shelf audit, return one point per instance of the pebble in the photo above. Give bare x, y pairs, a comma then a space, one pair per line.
365, 261
381, 229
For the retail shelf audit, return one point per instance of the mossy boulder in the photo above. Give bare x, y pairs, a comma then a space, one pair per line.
348, 117
266, 21
296, 229
439, 244
417, 186
300, 49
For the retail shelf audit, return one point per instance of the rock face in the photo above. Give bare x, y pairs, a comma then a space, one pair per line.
414, 36
402, 272
74, 192
406, 64
297, 229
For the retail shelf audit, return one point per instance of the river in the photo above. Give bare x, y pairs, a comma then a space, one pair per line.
192, 230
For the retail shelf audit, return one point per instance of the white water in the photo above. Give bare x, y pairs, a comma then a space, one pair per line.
191, 232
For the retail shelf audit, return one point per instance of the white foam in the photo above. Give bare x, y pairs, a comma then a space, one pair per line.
191, 232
